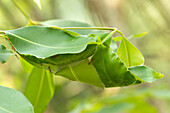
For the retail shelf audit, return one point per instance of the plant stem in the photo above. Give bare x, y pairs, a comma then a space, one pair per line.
26, 16
109, 35
3, 36
1, 32
120, 33
95, 28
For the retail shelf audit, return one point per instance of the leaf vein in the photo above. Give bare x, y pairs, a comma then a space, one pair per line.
5, 110
42, 44
40, 89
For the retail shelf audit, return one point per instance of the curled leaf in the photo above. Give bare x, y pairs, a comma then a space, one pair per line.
44, 42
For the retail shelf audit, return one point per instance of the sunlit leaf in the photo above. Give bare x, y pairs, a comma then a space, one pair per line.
129, 54
117, 38
82, 72
137, 35
12, 101
39, 89
44, 42
145, 73
26, 66
4, 54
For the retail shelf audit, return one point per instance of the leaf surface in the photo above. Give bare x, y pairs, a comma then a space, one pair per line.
39, 89
145, 73
26, 66
137, 35
44, 42
55, 63
82, 72
129, 54
111, 69
71, 23
4, 54
12, 101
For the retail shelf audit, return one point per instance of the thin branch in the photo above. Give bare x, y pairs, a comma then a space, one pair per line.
22, 11
120, 33
95, 28
4, 36
110, 34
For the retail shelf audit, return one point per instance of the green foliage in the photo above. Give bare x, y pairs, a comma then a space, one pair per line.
81, 71
129, 54
71, 23
39, 89
134, 101
44, 42
12, 101
111, 70
60, 51
79, 52
26, 66
137, 35
145, 73
4, 54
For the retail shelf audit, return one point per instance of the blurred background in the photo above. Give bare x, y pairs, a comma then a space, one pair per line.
129, 16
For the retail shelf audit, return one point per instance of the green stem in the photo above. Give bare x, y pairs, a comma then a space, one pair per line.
109, 35
95, 28
26, 16
1, 32
120, 33
3, 36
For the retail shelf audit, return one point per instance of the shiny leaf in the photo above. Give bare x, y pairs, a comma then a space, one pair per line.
12, 101
44, 42
145, 73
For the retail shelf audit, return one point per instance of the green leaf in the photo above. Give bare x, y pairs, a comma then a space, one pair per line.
109, 42
83, 72
129, 54
145, 73
137, 35
26, 66
44, 42
55, 63
71, 23
111, 70
39, 89
12, 101
4, 54
117, 38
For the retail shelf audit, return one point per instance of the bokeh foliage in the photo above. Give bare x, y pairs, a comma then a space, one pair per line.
130, 17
